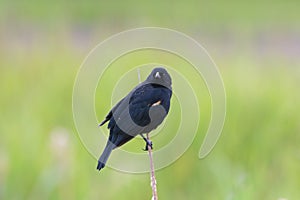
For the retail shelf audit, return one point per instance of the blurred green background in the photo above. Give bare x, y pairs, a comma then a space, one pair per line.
256, 46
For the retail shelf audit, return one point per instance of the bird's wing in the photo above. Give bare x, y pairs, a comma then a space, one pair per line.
110, 114
142, 100
131, 114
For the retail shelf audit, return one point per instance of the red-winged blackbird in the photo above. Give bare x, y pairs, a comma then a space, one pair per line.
141, 111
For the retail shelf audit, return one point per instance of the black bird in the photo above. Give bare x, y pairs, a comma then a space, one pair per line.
141, 111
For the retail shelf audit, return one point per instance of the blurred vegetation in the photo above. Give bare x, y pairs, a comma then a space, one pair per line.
256, 46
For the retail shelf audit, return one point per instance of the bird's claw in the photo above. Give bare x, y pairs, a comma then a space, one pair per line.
148, 144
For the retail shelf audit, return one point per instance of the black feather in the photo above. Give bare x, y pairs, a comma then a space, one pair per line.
138, 112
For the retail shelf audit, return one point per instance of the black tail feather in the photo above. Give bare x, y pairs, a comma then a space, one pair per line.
106, 153
100, 165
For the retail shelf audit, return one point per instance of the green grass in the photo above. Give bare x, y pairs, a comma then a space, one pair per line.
256, 157
41, 157
216, 14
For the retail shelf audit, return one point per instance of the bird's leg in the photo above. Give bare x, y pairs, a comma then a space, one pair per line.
148, 143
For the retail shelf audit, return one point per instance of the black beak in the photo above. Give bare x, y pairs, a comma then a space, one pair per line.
157, 75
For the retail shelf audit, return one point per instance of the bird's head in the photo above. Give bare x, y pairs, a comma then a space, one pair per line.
160, 76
